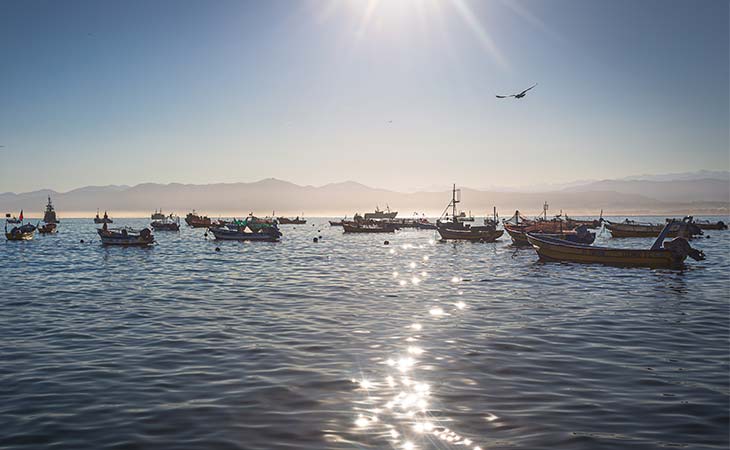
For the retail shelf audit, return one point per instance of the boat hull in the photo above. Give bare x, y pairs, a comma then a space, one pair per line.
549, 249
355, 228
234, 235
469, 234
27, 236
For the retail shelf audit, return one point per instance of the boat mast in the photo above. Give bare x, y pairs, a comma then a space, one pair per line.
453, 203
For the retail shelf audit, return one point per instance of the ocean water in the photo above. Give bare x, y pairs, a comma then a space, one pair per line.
352, 344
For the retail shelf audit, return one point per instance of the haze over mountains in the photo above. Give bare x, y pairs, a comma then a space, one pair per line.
705, 192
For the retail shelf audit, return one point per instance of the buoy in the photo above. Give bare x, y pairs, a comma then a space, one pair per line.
82, 241
206, 234
217, 249
707, 237
315, 240
320, 236
386, 243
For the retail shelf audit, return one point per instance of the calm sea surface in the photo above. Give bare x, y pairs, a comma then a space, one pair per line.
348, 343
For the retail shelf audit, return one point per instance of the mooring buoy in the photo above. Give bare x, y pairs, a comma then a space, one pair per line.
315, 240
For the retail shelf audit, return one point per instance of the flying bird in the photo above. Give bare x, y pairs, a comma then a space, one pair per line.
520, 95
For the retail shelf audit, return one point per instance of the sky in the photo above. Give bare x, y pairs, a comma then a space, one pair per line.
398, 94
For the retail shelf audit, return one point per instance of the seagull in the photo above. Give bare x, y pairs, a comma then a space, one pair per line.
520, 95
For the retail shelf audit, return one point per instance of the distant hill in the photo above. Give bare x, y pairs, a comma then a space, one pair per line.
703, 196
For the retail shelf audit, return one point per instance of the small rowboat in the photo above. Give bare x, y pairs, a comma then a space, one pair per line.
707, 225
629, 228
21, 233
581, 235
661, 254
288, 221
126, 237
369, 227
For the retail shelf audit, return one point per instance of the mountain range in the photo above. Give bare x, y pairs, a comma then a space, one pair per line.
695, 193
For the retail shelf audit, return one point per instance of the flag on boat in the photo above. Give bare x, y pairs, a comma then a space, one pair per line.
21, 215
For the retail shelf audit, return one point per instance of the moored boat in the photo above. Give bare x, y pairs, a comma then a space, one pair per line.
379, 214
247, 231
196, 221
288, 221
630, 228
169, 223
369, 227
579, 235
104, 219
661, 254
49, 216
126, 236
158, 215
21, 233
707, 225
48, 228
455, 229
14, 220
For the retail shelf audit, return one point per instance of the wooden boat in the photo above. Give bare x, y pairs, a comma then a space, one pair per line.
197, 221
707, 225
49, 216
455, 229
369, 227
104, 219
14, 220
127, 237
268, 233
169, 223
379, 215
580, 235
337, 223
424, 224
661, 254
21, 233
48, 228
629, 228
288, 221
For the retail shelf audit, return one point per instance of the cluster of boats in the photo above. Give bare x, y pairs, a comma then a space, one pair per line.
559, 238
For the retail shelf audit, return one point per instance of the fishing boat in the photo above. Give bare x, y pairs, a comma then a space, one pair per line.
158, 215
48, 228
126, 236
167, 223
457, 230
630, 228
579, 235
590, 223
288, 221
379, 214
104, 219
246, 230
49, 216
21, 233
661, 254
369, 227
707, 225
337, 223
424, 224
14, 220
196, 221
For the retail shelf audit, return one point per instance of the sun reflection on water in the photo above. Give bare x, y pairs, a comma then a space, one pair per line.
399, 404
